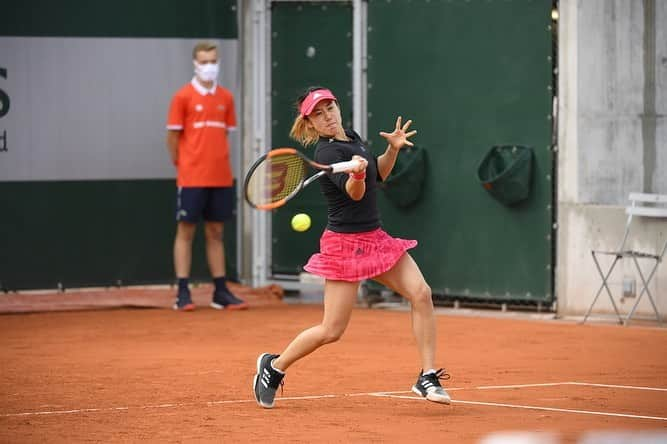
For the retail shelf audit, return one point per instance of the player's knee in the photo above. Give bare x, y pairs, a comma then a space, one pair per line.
214, 232
423, 295
332, 335
185, 232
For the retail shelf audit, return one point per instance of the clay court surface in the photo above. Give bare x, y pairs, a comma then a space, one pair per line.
129, 375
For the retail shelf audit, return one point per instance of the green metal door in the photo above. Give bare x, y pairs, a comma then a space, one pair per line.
311, 44
471, 74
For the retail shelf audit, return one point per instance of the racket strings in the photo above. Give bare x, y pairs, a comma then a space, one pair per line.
275, 178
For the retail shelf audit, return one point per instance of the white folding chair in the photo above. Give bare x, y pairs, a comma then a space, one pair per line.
645, 205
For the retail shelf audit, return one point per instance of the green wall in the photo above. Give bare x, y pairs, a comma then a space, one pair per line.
471, 74
120, 18
327, 28
94, 233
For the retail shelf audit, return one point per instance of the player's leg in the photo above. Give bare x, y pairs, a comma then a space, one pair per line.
339, 299
406, 279
215, 250
188, 213
219, 208
185, 233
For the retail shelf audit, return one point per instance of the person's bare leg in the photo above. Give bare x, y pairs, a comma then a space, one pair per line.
339, 299
215, 254
406, 279
185, 233
215, 248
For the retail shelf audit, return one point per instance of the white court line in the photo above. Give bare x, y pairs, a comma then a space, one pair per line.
551, 384
629, 387
531, 407
390, 394
300, 398
449, 389
546, 384
164, 406
65, 412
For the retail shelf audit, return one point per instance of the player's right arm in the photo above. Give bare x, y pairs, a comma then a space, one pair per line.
355, 189
173, 136
175, 124
355, 186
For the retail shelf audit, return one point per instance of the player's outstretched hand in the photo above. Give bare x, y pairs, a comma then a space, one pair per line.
399, 137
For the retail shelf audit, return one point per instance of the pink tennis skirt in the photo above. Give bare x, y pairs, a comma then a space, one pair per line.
356, 256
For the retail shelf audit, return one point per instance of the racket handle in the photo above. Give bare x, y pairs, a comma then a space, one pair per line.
340, 167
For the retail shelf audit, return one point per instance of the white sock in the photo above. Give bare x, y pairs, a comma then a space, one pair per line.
429, 371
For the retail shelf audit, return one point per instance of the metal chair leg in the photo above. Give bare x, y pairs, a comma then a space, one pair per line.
646, 290
604, 286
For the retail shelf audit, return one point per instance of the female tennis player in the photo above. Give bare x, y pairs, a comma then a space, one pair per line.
354, 247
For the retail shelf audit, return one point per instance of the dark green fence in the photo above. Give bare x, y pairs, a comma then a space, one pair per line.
94, 233
120, 18
471, 74
311, 44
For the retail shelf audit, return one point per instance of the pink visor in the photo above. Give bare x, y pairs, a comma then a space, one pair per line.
313, 98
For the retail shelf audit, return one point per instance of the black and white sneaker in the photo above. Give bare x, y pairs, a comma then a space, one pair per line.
183, 301
429, 386
225, 299
266, 380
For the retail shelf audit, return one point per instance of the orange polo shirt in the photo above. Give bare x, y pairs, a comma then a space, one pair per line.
204, 117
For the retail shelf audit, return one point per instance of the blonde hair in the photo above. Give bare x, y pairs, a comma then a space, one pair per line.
203, 47
302, 132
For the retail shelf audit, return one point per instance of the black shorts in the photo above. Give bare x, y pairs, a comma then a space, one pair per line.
213, 204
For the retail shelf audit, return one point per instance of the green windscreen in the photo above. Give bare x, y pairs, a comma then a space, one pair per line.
311, 45
120, 18
95, 233
471, 74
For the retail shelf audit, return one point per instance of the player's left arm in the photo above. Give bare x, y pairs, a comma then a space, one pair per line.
230, 118
396, 140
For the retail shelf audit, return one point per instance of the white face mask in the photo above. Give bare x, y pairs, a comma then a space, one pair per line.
207, 72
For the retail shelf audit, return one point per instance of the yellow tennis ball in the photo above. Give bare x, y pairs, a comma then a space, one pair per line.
300, 222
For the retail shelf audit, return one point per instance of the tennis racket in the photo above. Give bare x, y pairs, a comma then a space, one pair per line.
277, 176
